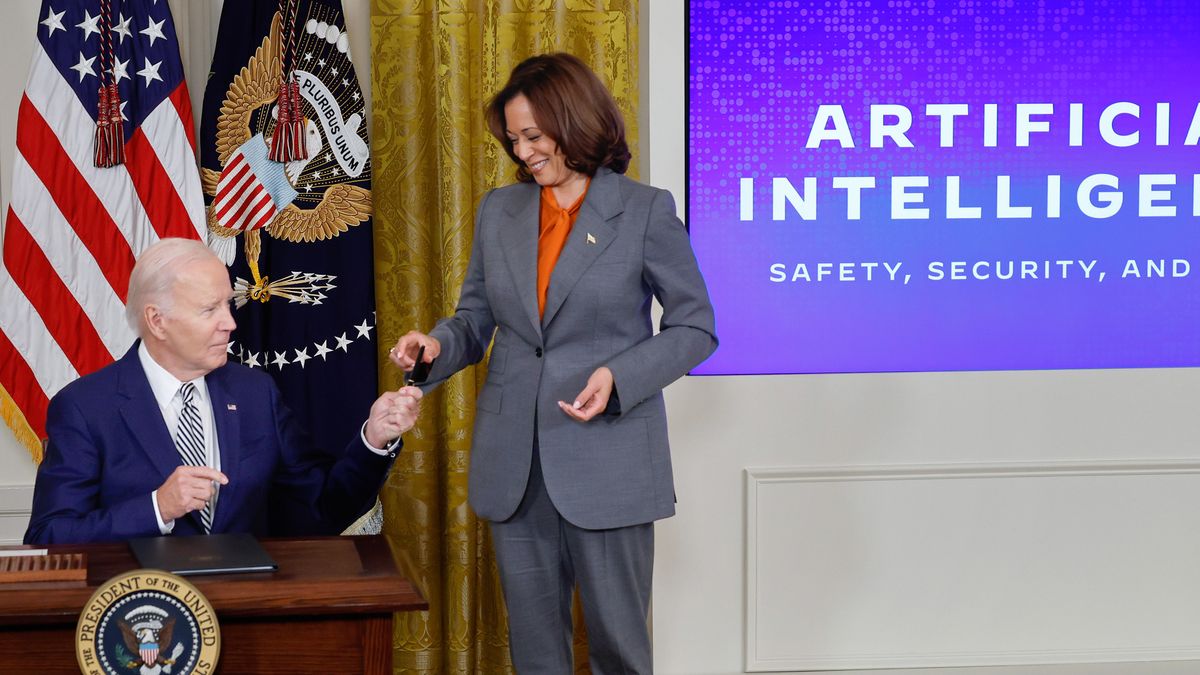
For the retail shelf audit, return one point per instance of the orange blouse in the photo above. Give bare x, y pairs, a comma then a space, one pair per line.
553, 228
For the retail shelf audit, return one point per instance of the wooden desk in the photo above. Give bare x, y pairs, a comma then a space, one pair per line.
327, 610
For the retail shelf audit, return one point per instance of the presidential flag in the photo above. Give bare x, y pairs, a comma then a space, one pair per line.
296, 233
78, 219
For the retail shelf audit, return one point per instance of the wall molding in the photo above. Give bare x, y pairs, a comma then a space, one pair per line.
15, 504
800, 474
760, 478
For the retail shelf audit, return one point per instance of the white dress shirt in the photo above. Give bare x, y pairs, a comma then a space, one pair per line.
170, 403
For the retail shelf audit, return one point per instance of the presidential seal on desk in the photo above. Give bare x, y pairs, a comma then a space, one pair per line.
147, 622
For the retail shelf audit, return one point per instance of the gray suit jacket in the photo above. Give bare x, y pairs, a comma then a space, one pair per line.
626, 245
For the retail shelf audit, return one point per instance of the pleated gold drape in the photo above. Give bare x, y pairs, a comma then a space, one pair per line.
435, 63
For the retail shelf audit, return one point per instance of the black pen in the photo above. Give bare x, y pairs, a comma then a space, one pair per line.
420, 369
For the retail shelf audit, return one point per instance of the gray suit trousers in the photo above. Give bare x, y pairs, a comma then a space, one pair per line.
542, 556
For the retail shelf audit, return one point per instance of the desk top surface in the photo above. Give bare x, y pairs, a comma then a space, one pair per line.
326, 575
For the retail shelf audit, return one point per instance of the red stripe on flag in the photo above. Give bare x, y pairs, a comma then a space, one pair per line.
76, 200
157, 193
242, 220
40, 283
183, 106
230, 189
266, 210
22, 385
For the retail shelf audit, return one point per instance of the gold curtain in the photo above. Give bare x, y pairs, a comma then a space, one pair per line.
435, 63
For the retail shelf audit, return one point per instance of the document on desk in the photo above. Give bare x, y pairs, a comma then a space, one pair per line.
203, 554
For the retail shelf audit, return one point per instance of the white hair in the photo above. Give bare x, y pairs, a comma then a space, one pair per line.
152, 281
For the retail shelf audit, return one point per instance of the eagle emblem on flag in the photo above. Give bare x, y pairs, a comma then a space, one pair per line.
287, 184
310, 199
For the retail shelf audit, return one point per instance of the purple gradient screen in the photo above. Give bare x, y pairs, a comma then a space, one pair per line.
984, 235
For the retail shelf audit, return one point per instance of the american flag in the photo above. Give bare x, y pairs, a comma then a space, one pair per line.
73, 230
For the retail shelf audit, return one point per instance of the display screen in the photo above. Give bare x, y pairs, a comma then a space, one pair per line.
898, 185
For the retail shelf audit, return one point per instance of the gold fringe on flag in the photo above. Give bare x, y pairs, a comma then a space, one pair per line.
15, 419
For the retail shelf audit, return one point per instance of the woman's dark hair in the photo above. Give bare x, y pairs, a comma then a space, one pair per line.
571, 106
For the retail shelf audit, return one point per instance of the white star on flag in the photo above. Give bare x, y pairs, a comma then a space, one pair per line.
322, 350
122, 28
120, 70
154, 31
150, 72
281, 360
301, 356
364, 329
84, 67
342, 343
89, 25
53, 21
252, 362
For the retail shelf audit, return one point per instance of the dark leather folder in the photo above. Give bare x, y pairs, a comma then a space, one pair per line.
209, 554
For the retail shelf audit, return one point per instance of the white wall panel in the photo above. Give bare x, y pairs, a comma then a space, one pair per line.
971, 564
14, 512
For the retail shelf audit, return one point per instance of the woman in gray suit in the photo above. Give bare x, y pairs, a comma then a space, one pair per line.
569, 460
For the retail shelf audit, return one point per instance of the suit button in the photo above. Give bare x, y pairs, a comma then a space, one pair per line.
538, 352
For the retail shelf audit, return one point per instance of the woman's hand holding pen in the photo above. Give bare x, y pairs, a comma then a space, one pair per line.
404, 354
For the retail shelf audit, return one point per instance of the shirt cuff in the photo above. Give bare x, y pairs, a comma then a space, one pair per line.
388, 451
163, 528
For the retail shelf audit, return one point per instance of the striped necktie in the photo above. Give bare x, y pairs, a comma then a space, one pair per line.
189, 441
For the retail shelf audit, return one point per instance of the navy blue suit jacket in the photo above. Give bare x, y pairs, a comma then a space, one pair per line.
110, 448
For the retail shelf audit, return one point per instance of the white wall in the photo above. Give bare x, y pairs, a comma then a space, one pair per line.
878, 520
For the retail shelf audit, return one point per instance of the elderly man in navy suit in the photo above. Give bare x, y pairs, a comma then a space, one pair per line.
172, 439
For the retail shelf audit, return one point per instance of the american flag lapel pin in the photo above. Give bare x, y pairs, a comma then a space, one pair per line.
590, 238
231, 406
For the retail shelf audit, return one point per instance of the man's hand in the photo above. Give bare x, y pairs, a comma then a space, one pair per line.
393, 414
187, 489
404, 354
593, 399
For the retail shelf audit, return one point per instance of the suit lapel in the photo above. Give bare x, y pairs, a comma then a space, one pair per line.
229, 430
518, 240
592, 233
142, 415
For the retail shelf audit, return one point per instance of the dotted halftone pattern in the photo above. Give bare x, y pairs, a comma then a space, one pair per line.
759, 71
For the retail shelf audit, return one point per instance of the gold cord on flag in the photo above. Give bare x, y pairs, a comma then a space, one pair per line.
110, 132
287, 142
